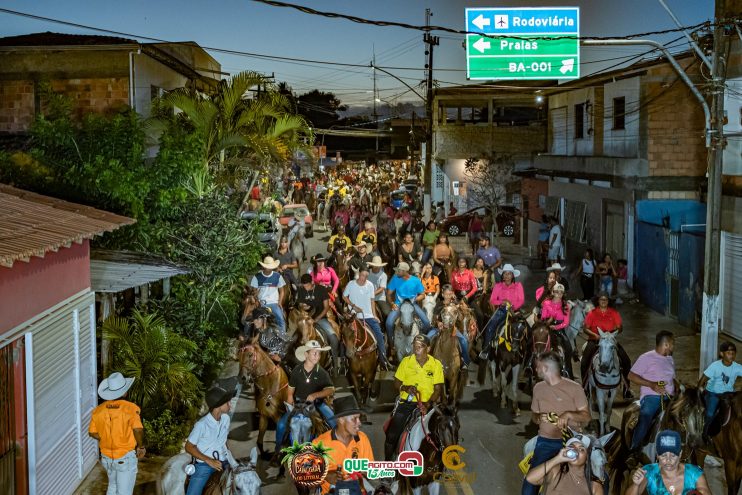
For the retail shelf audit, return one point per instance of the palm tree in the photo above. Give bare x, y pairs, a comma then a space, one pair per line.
158, 359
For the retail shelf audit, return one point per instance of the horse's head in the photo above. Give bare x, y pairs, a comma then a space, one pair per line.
351, 334
606, 351
407, 316
304, 324
598, 457
245, 479
541, 338
445, 426
449, 315
248, 361
688, 411
518, 332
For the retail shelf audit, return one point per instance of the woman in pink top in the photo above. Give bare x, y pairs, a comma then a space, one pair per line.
508, 291
323, 275
555, 312
544, 292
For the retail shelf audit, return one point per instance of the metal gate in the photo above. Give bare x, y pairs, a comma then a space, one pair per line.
7, 422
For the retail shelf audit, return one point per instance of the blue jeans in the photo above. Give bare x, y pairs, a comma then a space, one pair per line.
395, 313
375, 327
283, 423
427, 253
332, 338
463, 342
491, 327
650, 405
546, 448
122, 473
278, 313
712, 404
201, 476
606, 285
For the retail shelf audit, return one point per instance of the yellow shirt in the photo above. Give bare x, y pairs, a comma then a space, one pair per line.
424, 378
115, 421
362, 234
347, 240
360, 449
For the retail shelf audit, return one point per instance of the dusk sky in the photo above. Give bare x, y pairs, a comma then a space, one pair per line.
248, 26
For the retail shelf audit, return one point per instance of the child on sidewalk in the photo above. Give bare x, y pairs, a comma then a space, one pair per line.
719, 379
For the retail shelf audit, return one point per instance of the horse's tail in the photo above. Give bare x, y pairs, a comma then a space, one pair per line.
482, 373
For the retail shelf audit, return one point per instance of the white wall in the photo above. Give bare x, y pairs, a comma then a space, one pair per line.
622, 142
147, 73
566, 120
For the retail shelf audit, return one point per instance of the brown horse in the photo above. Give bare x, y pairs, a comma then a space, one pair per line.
250, 301
303, 327
271, 385
340, 264
363, 356
445, 348
727, 445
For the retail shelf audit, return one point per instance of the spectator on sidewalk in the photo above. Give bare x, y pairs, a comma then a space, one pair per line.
586, 273
117, 426
607, 272
555, 242
719, 379
557, 403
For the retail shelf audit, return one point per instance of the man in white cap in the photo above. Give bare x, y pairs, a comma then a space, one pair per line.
271, 285
359, 296
403, 286
117, 426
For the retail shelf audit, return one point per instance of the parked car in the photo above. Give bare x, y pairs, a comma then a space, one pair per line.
396, 198
459, 224
290, 210
269, 229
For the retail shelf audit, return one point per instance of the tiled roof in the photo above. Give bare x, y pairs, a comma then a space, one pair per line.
32, 224
60, 39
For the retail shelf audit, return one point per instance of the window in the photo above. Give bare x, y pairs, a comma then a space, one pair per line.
619, 113
155, 92
580, 121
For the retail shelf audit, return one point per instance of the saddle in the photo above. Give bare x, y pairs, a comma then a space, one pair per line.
414, 431
217, 482
723, 414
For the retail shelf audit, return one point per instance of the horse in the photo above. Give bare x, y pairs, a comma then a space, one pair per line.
363, 356
442, 432
578, 310
298, 245
271, 384
510, 350
305, 424
303, 328
339, 262
603, 379
445, 348
250, 302
727, 445
406, 328
429, 306
544, 340
240, 479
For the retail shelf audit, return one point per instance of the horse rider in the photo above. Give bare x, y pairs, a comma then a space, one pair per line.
339, 241
378, 277
271, 287
359, 296
605, 319
368, 234
361, 257
346, 441
271, 339
207, 443
419, 379
288, 262
558, 269
654, 371
463, 281
317, 298
719, 380
117, 426
324, 275
558, 403
404, 286
308, 383
442, 255
448, 297
296, 224
555, 311
504, 294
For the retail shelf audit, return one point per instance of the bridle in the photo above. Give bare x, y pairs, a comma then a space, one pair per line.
255, 377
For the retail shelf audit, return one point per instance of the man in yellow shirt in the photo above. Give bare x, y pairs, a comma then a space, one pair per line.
418, 377
339, 241
118, 428
347, 441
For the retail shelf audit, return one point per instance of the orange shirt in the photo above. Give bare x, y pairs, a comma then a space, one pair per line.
115, 421
356, 449
431, 284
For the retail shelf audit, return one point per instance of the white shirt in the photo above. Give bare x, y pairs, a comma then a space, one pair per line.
361, 296
556, 230
588, 266
210, 435
722, 378
379, 280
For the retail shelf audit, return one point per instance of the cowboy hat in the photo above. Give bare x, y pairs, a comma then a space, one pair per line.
509, 268
556, 267
269, 263
362, 243
346, 406
301, 351
217, 397
422, 338
114, 387
318, 257
402, 267
376, 261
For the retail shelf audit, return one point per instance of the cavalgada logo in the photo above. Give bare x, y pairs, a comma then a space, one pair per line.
307, 463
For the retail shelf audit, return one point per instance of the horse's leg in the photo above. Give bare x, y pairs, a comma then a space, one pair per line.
262, 426
495, 379
355, 381
434, 488
514, 390
602, 398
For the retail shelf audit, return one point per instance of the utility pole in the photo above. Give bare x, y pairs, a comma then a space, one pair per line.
711, 317
430, 41
376, 115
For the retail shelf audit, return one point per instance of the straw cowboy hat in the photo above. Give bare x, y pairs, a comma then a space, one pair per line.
301, 351
269, 263
376, 261
114, 387
509, 268
556, 267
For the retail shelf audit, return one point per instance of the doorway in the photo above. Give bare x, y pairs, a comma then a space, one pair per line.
614, 219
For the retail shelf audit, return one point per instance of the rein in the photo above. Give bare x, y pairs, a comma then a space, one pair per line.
422, 422
360, 350
255, 377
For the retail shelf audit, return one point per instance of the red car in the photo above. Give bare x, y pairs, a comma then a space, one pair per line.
290, 210
459, 224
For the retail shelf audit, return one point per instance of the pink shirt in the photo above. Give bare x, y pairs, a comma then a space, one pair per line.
326, 277
655, 367
502, 292
553, 309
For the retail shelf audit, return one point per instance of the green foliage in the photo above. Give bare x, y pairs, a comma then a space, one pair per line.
159, 360
165, 433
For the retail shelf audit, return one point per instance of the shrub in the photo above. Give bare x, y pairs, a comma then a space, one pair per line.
164, 434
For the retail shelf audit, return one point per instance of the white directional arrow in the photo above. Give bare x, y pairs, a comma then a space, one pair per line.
481, 21
481, 45
567, 66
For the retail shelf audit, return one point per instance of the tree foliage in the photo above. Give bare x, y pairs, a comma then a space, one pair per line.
488, 178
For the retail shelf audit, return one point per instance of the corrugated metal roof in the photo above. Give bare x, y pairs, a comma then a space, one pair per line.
32, 224
116, 271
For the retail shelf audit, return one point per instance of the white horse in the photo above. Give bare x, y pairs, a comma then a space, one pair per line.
297, 242
243, 480
604, 376
429, 306
405, 329
578, 310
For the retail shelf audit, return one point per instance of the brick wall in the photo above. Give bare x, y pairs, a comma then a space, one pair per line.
675, 126
452, 141
16, 105
96, 95
532, 189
